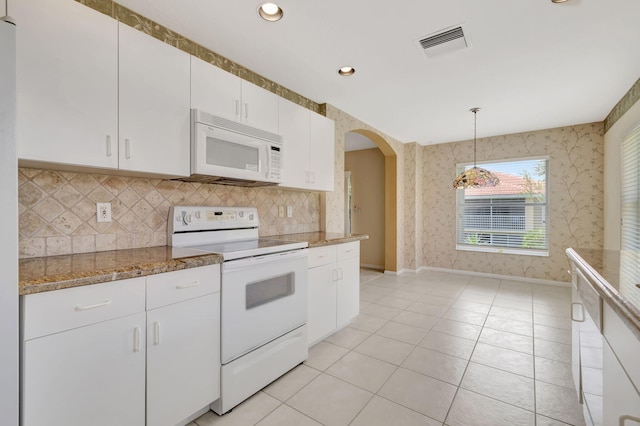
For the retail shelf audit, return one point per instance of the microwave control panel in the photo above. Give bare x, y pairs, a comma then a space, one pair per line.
275, 160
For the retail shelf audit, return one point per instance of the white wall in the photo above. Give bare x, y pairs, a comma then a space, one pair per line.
8, 231
612, 170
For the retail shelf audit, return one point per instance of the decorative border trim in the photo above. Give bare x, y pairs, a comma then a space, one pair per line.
623, 105
164, 34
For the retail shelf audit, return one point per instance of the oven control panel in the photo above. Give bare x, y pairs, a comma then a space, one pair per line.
205, 218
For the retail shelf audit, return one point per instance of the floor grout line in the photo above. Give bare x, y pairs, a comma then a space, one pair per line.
392, 284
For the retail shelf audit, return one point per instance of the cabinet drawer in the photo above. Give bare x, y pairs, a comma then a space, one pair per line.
60, 310
177, 286
321, 256
349, 250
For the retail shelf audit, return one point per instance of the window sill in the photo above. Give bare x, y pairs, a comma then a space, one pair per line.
503, 250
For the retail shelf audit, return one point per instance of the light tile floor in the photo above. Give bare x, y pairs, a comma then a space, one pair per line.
431, 349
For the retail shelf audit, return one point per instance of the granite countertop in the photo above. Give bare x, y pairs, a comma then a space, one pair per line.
57, 272
319, 239
616, 280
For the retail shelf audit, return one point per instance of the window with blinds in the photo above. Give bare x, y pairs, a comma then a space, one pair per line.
511, 217
630, 210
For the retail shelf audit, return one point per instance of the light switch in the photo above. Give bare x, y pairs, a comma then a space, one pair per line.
289, 211
281, 211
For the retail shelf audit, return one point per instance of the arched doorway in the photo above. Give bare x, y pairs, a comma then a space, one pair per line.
390, 198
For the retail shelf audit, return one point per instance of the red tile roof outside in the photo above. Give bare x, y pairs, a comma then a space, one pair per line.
509, 185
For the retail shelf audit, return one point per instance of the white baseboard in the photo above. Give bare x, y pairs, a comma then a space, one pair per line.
376, 267
497, 276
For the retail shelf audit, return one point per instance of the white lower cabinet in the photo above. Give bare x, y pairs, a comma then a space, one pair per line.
334, 289
348, 284
92, 375
83, 358
181, 347
93, 356
621, 398
321, 320
621, 383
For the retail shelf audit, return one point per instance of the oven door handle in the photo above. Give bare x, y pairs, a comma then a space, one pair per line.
267, 258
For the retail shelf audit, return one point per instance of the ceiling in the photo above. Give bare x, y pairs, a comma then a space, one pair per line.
532, 64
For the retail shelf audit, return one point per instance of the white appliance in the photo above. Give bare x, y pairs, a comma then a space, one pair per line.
8, 228
263, 297
229, 152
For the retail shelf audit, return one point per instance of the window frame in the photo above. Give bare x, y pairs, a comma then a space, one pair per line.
460, 202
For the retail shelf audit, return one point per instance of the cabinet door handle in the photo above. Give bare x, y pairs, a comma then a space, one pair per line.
97, 305
188, 285
237, 108
340, 273
313, 177
108, 146
246, 111
156, 333
581, 319
136, 339
127, 149
626, 417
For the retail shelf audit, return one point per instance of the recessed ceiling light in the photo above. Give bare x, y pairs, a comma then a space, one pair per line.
270, 12
346, 71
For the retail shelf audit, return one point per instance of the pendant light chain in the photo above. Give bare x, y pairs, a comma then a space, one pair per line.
475, 177
475, 132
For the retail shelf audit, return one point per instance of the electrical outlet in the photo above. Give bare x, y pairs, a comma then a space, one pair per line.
281, 211
289, 211
103, 212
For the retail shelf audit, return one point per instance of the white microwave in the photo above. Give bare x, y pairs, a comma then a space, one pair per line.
227, 152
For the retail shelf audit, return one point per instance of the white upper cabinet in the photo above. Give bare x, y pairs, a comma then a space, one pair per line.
321, 152
259, 107
67, 83
220, 93
294, 128
94, 94
308, 141
154, 105
214, 90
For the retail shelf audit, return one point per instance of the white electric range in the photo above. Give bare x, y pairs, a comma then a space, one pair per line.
263, 301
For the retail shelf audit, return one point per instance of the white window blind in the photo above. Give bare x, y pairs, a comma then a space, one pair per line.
511, 217
630, 210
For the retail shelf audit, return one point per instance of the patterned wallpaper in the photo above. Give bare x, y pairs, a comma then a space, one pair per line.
576, 158
413, 210
58, 210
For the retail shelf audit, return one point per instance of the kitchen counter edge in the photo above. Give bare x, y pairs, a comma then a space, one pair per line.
156, 260
628, 312
69, 278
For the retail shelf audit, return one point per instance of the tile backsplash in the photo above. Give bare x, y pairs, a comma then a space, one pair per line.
58, 210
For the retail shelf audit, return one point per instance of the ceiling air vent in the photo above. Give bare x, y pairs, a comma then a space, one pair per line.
445, 41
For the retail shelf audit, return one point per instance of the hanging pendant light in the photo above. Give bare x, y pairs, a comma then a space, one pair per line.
475, 177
